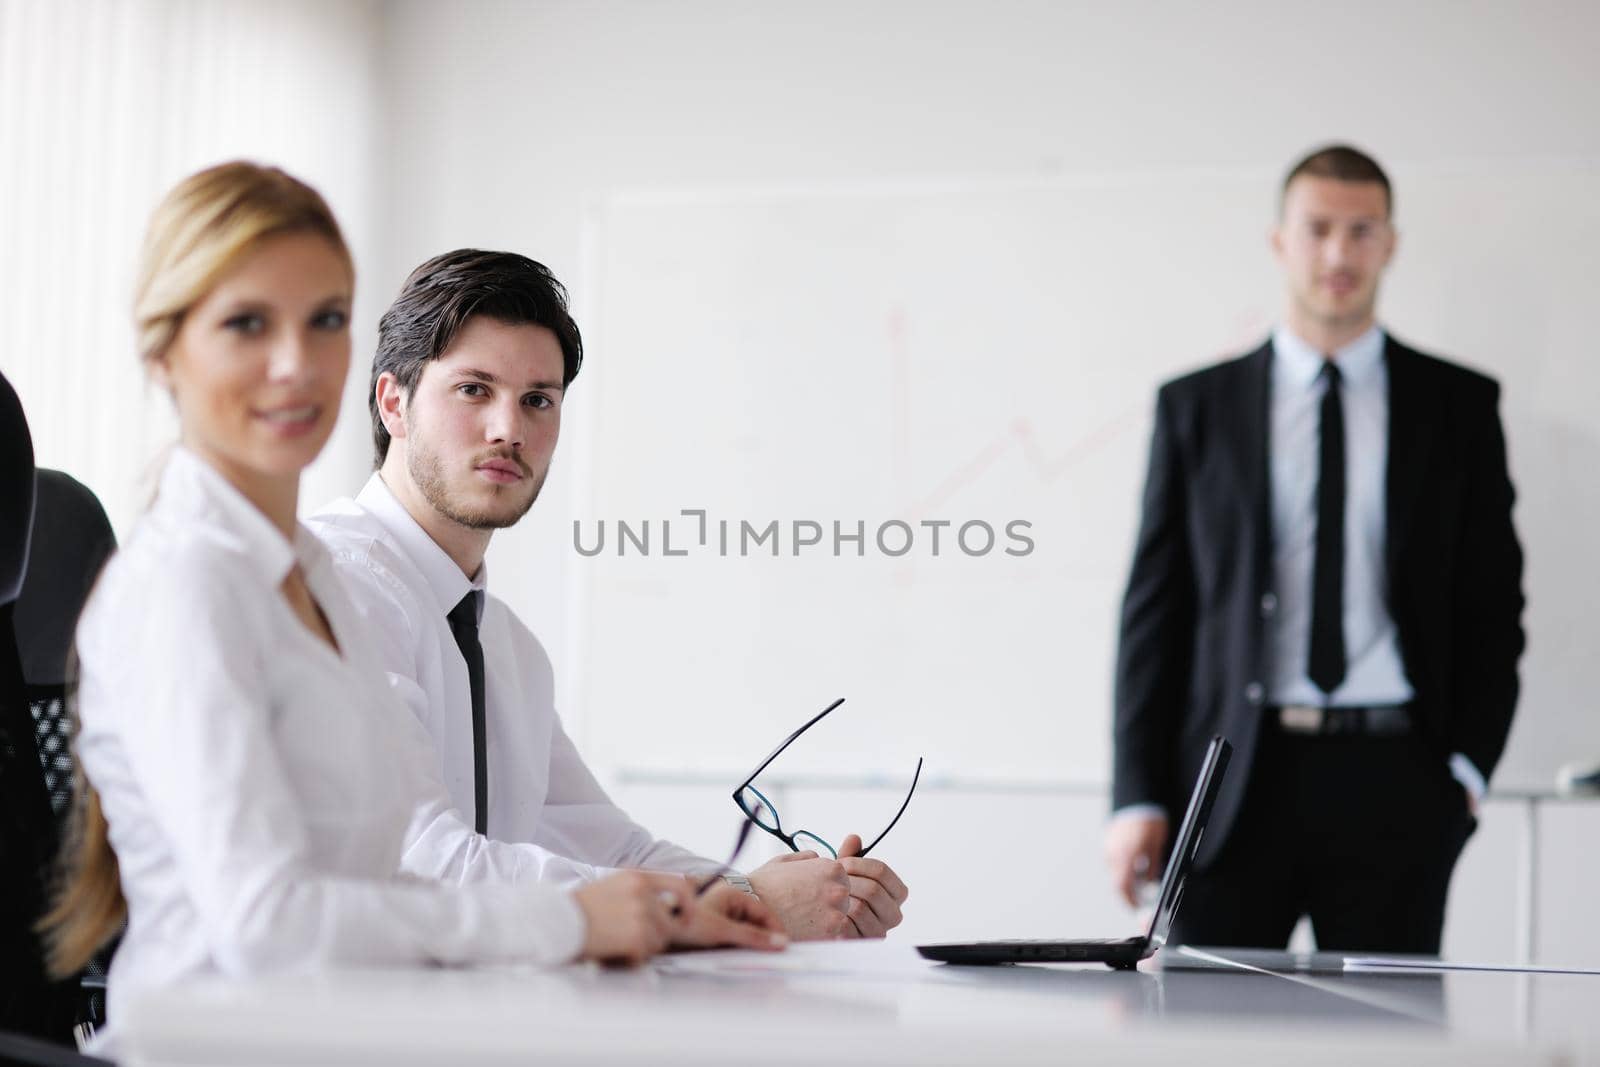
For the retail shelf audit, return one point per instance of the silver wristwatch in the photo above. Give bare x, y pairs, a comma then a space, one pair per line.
740, 882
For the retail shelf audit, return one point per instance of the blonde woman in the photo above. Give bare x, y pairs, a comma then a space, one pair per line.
256, 789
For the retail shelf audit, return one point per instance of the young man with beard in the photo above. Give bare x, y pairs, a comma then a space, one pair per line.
474, 359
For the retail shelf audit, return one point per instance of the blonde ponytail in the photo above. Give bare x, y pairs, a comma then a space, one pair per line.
89, 909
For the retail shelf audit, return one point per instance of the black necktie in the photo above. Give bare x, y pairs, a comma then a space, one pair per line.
464, 624
1327, 663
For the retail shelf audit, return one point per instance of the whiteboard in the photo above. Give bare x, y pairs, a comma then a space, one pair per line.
988, 351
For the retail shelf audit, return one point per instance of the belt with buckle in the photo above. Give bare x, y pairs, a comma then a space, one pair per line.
1306, 719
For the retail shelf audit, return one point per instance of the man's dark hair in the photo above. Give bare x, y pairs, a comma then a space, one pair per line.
1342, 163
438, 299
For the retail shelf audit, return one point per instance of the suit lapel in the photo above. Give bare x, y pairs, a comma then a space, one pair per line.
1413, 425
1253, 447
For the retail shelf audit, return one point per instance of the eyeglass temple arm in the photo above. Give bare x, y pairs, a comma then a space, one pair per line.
786, 743
903, 805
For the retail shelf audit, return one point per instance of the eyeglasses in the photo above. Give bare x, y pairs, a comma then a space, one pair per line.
762, 813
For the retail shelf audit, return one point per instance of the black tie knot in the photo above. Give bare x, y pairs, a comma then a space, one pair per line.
1330, 371
464, 616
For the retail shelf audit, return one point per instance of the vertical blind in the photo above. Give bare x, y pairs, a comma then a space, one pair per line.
104, 104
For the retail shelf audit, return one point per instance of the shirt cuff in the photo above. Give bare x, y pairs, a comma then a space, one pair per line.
1139, 811
571, 927
1471, 779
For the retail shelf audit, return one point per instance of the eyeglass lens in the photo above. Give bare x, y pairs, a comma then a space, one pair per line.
759, 808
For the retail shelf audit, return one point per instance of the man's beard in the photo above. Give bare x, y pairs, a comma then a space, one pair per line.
427, 473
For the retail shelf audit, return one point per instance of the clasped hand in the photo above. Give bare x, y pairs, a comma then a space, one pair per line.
818, 898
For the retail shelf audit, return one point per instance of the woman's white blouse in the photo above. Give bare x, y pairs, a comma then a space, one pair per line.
266, 798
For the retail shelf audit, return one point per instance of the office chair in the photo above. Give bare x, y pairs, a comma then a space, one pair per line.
72, 538
30, 1003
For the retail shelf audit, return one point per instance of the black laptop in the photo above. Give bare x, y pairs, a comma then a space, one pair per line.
1120, 953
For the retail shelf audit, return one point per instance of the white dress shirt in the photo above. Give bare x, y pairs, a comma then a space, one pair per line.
272, 806
540, 791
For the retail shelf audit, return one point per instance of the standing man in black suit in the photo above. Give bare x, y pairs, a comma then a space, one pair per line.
1327, 574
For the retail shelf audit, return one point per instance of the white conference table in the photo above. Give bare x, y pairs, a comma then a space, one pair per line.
877, 1002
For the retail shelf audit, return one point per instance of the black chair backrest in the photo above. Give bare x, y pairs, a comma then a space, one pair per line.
72, 539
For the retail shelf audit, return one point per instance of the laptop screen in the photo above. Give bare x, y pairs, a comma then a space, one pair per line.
1187, 842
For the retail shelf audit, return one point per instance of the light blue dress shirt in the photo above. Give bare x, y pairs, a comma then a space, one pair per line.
1375, 675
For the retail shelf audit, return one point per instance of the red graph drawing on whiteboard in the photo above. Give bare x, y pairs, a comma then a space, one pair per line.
1019, 435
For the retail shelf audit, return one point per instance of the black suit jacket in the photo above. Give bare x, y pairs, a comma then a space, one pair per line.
1191, 661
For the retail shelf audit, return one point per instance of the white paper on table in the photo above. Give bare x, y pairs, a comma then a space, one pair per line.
1405, 965
815, 959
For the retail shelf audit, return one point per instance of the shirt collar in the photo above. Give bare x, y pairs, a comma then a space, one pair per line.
190, 484
444, 578
1297, 363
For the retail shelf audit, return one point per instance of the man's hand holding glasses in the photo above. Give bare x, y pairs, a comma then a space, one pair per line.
819, 891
